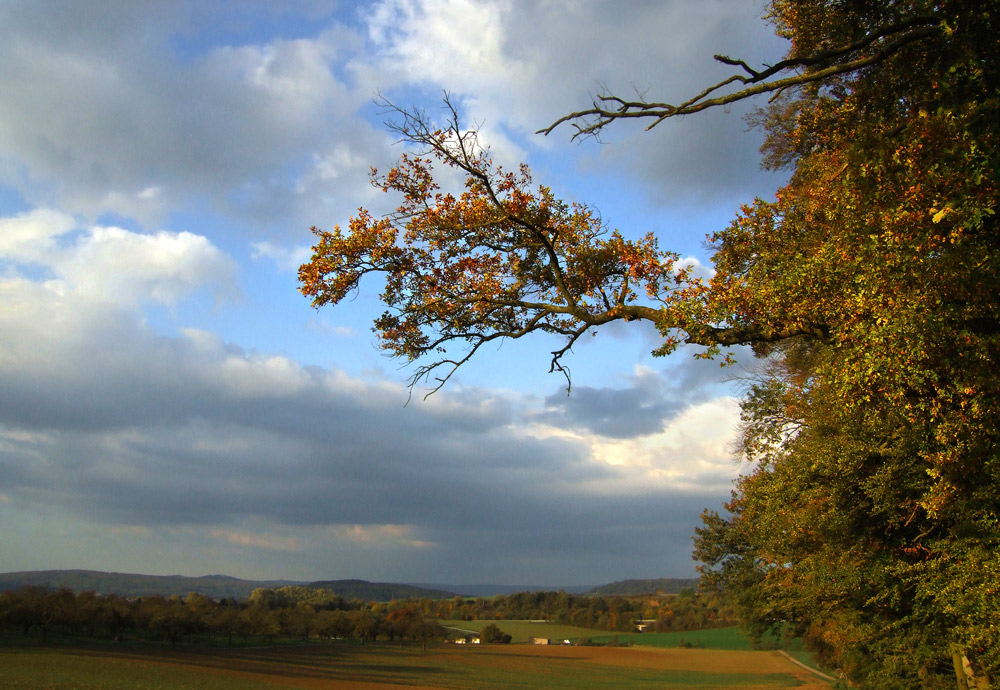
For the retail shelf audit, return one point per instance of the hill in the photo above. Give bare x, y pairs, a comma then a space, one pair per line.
224, 586
378, 591
135, 585
214, 586
490, 590
632, 588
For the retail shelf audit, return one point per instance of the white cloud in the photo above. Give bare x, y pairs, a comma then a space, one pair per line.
114, 122
276, 133
692, 452
517, 68
31, 236
262, 375
125, 267
112, 264
284, 257
457, 42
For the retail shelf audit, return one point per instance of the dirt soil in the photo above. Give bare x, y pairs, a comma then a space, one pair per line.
676, 659
315, 668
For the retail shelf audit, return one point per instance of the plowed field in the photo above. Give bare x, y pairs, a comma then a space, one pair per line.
376, 667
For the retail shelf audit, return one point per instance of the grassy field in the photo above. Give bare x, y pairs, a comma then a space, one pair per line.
714, 638
522, 631
374, 667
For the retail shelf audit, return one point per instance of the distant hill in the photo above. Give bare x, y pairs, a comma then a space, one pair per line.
488, 590
134, 585
633, 588
214, 586
224, 587
379, 591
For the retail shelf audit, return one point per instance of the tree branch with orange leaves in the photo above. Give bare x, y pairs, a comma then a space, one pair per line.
500, 259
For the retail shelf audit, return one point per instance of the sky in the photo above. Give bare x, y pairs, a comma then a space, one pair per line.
171, 404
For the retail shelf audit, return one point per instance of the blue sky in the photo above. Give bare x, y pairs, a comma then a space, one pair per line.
171, 403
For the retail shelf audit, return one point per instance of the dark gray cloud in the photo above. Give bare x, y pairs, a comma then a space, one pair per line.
120, 426
650, 402
642, 409
705, 159
538, 62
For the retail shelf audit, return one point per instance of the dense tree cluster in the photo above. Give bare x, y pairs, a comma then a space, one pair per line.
492, 634
287, 612
295, 612
871, 520
686, 611
868, 288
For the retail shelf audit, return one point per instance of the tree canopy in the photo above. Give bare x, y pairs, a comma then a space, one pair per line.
868, 287
501, 260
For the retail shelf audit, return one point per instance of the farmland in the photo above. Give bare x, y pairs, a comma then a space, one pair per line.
374, 666
522, 631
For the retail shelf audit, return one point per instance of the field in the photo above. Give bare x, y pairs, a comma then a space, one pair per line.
710, 638
522, 631
374, 667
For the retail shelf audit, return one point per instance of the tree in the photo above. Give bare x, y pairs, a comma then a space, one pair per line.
492, 634
365, 626
425, 631
21, 607
170, 618
868, 287
500, 260
229, 620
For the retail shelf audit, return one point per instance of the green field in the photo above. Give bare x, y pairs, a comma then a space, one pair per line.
522, 631
382, 666
714, 638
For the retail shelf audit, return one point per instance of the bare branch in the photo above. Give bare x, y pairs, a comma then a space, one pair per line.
809, 69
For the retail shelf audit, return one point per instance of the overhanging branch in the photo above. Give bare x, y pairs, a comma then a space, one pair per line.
809, 69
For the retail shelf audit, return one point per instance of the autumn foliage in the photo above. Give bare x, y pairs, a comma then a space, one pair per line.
869, 287
501, 259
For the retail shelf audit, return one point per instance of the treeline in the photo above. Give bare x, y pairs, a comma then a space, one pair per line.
296, 612
688, 610
288, 612
378, 591
632, 588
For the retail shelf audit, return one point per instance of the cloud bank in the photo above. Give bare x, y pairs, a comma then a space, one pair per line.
156, 155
